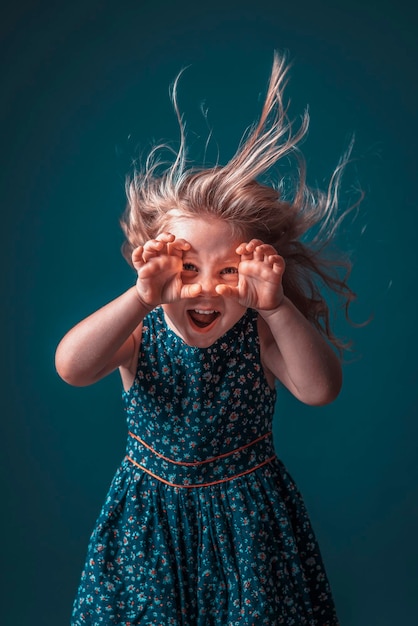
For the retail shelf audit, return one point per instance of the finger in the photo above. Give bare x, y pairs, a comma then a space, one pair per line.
152, 248
166, 237
137, 259
276, 258
178, 246
259, 253
191, 291
146, 271
227, 291
279, 265
246, 249
263, 252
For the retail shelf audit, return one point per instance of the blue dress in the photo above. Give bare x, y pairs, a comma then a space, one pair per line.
202, 526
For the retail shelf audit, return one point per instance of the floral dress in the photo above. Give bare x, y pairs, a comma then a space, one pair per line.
202, 526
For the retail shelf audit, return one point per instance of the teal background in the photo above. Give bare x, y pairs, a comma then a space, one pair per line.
84, 87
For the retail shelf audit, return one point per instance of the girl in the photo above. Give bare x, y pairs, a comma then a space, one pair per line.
202, 524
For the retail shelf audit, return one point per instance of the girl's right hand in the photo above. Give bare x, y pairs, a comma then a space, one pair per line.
159, 264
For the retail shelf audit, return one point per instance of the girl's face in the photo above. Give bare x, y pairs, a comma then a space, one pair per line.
211, 261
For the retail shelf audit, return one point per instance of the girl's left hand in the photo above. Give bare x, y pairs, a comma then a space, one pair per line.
259, 277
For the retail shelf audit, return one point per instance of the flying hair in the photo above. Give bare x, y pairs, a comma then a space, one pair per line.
300, 223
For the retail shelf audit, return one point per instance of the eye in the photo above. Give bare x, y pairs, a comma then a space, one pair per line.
230, 270
189, 267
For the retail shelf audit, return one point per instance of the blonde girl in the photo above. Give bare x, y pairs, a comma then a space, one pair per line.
203, 525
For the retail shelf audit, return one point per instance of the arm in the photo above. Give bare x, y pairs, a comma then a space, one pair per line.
292, 350
296, 354
102, 342
110, 337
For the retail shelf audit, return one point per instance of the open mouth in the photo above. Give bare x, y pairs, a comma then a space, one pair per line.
202, 318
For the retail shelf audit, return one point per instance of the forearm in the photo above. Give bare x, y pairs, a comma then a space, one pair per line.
301, 358
101, 342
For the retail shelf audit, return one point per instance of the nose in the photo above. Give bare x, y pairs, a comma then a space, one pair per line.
208, 283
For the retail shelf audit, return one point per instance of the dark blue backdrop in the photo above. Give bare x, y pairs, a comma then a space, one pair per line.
84, 85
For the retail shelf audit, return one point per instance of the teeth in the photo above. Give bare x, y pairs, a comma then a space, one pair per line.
204, 312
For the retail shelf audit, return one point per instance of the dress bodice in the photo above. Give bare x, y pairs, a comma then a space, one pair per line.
193, 403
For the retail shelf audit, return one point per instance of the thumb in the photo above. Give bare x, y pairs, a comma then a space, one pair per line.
228, 291
191, 291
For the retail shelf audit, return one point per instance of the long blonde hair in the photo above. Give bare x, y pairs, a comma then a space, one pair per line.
232, 193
